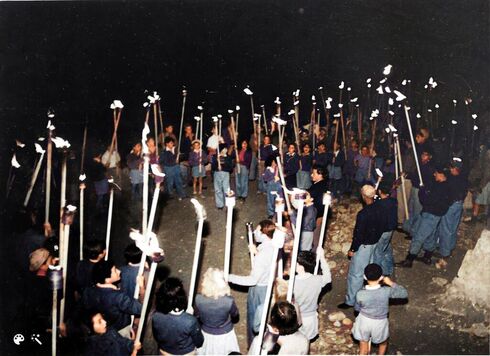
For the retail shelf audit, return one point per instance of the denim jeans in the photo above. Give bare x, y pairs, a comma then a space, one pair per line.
173, 179
255, 298
414, 209
355, 277
383, 253
303, 180
185, 173
252, 174
271, 198
221, 187
447, 231
306, 240
241, 180
262, 187
424, 235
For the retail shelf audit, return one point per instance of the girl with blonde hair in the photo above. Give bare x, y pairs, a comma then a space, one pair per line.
217, 311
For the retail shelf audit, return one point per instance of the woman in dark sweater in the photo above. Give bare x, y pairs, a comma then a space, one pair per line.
244, 159
176, 332
217, 311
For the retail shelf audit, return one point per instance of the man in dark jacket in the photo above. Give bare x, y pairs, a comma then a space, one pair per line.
317, 189
367, 232
435, 200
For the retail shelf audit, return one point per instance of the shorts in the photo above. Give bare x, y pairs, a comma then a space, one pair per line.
365, 329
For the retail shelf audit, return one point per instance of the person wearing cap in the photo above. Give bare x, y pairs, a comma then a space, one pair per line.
168, 160
222, 166
447, 230
414, 205
372, 303
435, 198
367, 231
383, 252
197, 160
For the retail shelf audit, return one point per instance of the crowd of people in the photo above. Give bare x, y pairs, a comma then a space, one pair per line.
425, 202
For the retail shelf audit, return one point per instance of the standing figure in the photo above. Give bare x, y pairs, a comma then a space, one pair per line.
222, 166
244, 160
366, 236
216, 310
336, 162
175, 331
134, 161
168, 161
291, 166
197, 160
305, 161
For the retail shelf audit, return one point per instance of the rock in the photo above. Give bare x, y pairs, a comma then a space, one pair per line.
340, 340
479, 330
468, 283
336, 316
336, 247
332, 264
347, 321
330, 331
439, 281
346, 247
337, 324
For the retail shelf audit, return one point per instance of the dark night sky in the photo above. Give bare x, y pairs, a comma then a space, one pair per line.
78, 56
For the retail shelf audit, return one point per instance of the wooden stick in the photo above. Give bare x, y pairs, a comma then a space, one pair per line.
155, 125
265, 120
327, 199
283, 183
48, 181
114, 136
162, 130
33, 179
54, 322
84, 145
66, 237
109, 224
343, 132
404, 192
413, 145
146, 172
184, 96
62, 209
230, 203
250, 242
294, 256
197, 251
235, 138
359, 126
82, 200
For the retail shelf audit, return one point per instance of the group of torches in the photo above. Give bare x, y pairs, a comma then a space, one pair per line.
147, 240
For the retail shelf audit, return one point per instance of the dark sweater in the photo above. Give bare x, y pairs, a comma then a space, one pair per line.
110, 344
116, 306
167, 158
306, 162
458, 187
216, 315
388, 213
265, 152
177, 334
435, 198
226, 163
291, 164
316, 191
368, 227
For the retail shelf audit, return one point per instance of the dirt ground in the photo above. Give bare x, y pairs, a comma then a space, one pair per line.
417, 327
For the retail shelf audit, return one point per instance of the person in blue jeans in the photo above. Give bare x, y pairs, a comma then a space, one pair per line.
435, 199
272, 182
367, 231
168, 160
446, 234
244, 160
383, 252
222, 166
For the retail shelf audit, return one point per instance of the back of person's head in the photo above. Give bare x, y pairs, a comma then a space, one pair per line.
385, 187
284, 318
171, 296
214, 285
307, 259
101, 271
267, 227
368, 191
93, 249
280, 290
373, 272
132, 253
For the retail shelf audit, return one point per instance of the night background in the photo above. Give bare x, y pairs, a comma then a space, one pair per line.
77, 57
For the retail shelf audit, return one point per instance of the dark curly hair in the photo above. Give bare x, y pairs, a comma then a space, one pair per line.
284, 318
307, 259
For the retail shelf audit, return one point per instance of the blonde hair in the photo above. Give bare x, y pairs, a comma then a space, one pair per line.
213, 284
